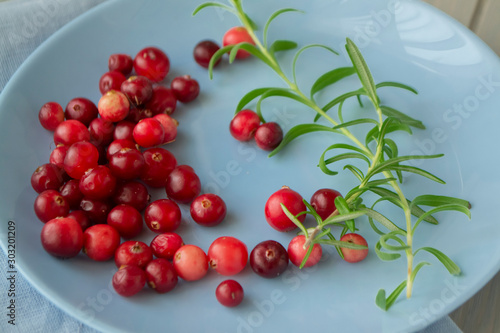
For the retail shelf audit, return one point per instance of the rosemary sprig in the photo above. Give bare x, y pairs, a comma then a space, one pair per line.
384, 164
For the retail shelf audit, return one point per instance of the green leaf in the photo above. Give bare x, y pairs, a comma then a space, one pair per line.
355, 171
443, 258
417, 171
330, 78
308, 253
282, 45
299, 52
213, 4
294, 219
342, 218
415, 209
393, 126
448, 207
340, 100
381, 219
394, 162
322, 163
356, 122
393, 153
385, 256
216, 56
278, 92
313, 212
297, 131
403, 118
416, 269
272, 17
347, 156
438, 200
346, 245
250, 97
385, 304
363, 71
250, 48
393, 236
396, 85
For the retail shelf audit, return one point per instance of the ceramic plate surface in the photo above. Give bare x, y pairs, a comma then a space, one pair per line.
458, 79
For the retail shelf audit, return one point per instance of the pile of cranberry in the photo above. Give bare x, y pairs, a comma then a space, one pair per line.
94, 191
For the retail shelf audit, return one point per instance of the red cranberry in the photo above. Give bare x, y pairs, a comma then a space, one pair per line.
57, 155
162, 215
101, 132
122, 63
81, 109
127, 164
274, 213
229, 293
159, 163
269, 259
190, 263
138, 89
161, 275
98, 183
185, 88
268, 136
47, 177
69, 132
296, 252
135, 114
100, 242
227, 255
235, 36
183, 184
323, 201
51, 115
126, 220
129, 280
148, 133
120, 144
133, 194
165, 245
244, 125
208, 210
169, 126
81, 217
123, 130
203, 52
50, 204
111, 81
152, 63
70, 191
353, 255
81, 156
162, 101
113, 106
133, 253
96, 210
62, 237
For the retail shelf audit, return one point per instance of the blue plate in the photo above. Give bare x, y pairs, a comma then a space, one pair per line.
458, 78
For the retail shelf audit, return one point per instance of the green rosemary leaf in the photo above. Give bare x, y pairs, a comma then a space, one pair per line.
297, 131
363, 71
416, 269
443, 258
396, 85
380, 300
213, 4
250, 48
356, 122
342, 98
415, 209
322, 163
347, 156
343, 217
278, 92
393, 236
330, 78
299, 52
385, 256
355, 171
346, 245
405, 119
294, 219
395, 294
344, 209
448, 207
418, 171
250, 97
382, 220
394, 162
313, 212
217, 55
393, 153
272, 17
374, 227
308, 253
438, 200
282, 45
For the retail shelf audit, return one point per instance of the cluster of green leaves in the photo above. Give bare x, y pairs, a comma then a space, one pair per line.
385, 167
